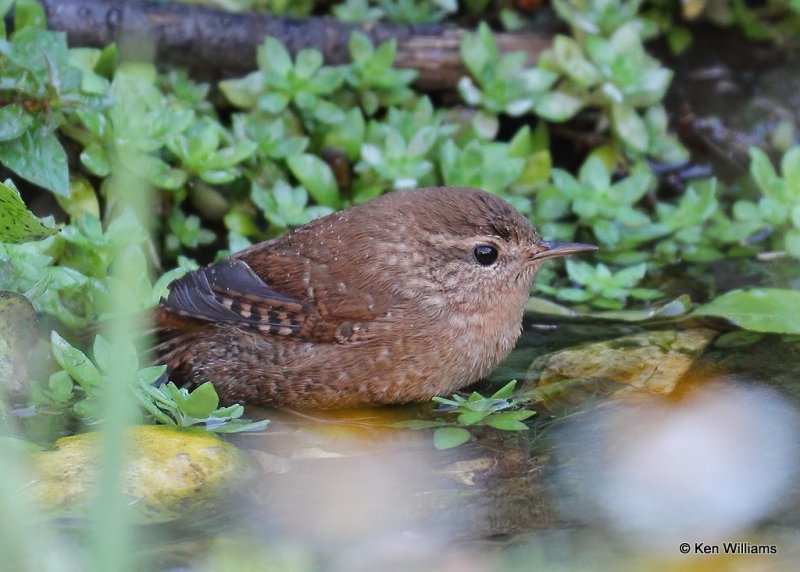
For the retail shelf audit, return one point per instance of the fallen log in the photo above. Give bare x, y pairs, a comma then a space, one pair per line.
214, 44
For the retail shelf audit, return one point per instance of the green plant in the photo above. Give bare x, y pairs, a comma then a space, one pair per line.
285, 206
65, 275
504, 85
146, 117
357, 11
398, 152
604, 65
40, 88
608, 209
695, 229
80, 384
601, 287
274, 137
180, 407
499, 411
279, 82
777, 210
417, 11
371, 75
483, 165
185, 231
206, 150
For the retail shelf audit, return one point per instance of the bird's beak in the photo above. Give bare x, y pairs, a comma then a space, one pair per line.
553, 249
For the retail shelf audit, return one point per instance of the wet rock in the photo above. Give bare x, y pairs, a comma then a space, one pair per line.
647, 362
169, 473
17, 335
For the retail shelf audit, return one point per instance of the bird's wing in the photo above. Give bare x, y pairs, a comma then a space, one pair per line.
230, 292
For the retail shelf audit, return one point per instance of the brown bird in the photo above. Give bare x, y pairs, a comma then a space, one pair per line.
412, 295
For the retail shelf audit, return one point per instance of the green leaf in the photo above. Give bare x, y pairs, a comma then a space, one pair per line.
232, 411
360, 47
478, 50
631, 276
455, 402
147, 399
791, 242
761, 170
243, 92
773, 310
594, 174
469, 91
107, 61
150, 375
449, 437
87, 408
74, 362
421, 142
629, 127
102, 352
678, 307
82, 199
472, 417
317, 177
14, 120
177, 394
94, 158
790, 167
238, 426
60, 386
17, 223
505, 391
39, 158
349, 134
273, 102
509, 420
557, 106
29, 14
308, 61
201, 402
384, 56
538, 305
273, 57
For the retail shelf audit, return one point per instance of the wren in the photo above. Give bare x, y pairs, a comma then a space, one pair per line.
411, 295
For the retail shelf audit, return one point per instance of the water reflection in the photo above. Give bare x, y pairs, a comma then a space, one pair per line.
358, 494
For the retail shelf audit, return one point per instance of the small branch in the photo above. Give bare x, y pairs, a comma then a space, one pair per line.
215, 44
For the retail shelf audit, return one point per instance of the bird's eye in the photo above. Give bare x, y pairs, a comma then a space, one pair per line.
485, 255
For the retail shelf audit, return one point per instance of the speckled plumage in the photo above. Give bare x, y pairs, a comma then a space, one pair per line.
382, 303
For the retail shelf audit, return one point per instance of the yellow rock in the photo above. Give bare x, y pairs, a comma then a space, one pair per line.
648, 362
169, 472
